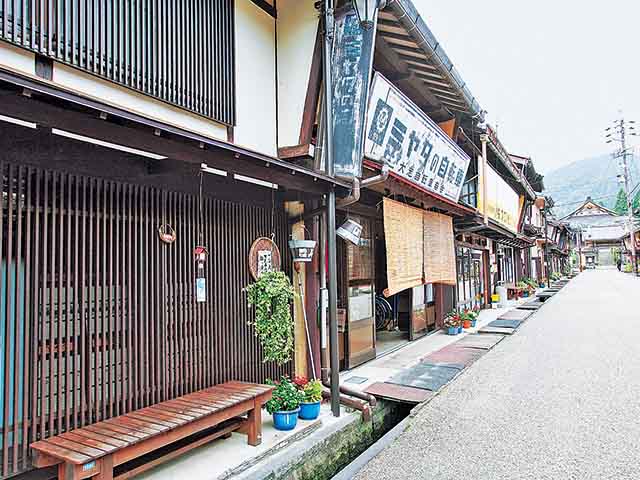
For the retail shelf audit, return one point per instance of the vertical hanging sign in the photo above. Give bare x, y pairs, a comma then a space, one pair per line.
351, 72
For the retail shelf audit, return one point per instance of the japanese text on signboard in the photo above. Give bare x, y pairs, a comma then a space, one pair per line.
400, 135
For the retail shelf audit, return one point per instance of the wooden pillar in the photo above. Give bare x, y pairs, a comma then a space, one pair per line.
296, 209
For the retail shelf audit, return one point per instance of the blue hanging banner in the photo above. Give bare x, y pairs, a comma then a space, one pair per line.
351, 72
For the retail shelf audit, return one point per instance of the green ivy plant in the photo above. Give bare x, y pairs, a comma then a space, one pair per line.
271, 296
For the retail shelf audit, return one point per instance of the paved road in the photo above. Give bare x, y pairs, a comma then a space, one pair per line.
558, 400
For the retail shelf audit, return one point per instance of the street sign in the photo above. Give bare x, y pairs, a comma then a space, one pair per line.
351, 71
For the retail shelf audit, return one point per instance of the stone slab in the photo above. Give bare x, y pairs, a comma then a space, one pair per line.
454, 356
355, 379
515, 315
504, 323
500, 330
399, 393
425, 376
531, 307
482, 342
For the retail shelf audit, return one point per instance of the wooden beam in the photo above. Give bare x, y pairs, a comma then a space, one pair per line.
313, 92
49, 115
266, 6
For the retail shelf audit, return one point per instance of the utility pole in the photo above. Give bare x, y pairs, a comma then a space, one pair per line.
618, 133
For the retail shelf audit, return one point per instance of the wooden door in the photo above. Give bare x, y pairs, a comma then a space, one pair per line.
361, 324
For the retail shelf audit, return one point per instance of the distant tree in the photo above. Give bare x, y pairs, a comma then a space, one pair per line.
636, 204
621, 207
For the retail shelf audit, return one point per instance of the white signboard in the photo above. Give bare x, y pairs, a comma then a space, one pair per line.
400, 135
503, 203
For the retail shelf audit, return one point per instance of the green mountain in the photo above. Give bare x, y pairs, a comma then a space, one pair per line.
570, 185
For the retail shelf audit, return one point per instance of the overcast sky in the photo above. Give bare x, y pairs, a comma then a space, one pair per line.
551, 73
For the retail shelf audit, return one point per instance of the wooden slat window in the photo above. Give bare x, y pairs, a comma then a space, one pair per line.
179, 51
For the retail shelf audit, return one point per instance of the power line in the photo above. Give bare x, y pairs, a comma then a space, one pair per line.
582, 201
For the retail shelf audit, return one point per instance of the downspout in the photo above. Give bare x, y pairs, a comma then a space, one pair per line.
358, 185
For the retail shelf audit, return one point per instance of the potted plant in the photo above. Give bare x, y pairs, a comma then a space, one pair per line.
271, 296
451, 322
466, 317
284, 405
312, 391
524, 288
473, 315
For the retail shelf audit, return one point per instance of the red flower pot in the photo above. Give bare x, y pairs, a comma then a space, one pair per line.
466, 324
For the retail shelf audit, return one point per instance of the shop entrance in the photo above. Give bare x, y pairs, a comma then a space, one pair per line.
471, 278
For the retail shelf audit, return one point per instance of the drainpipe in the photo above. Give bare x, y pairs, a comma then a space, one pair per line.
334, 361
358, 185
356, 393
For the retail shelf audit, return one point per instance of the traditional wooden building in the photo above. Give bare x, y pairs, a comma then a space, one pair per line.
601, 232
134, 135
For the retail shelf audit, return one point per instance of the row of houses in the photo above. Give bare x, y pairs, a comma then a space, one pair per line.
146, 145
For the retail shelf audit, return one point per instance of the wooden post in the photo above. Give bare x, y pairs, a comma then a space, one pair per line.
255, 424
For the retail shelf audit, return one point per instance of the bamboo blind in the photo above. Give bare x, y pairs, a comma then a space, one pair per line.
404, 237
420, 247
439, 249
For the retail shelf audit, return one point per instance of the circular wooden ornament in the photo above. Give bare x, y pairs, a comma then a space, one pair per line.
167, 233
263, 256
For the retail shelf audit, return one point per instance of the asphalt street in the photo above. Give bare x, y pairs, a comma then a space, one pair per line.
560, 399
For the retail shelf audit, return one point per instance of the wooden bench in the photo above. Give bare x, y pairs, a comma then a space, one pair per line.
94, 450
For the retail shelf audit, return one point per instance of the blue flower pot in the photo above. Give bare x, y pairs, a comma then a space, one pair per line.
452, 331
286, 420
459, 329
473, 323
309, 411
525, 294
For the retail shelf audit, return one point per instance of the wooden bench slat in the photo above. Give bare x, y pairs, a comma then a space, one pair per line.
239, 386
110, 432
76, 447
171, 414
67, 455
156, 412
235, 394
135, 424
201, 408
74, 437
226, 400
123, 429
152, 419
185, 409
99, 437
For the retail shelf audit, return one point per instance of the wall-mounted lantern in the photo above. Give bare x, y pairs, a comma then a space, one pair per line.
302, 250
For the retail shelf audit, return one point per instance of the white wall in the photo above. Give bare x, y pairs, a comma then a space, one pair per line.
297, 28
255, 78
17, 59
132, 101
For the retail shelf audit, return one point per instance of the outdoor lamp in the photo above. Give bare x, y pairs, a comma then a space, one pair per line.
302, 250
351, 231
366, 11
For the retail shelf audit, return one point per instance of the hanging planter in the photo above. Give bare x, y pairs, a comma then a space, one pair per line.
302, 250
272, 295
